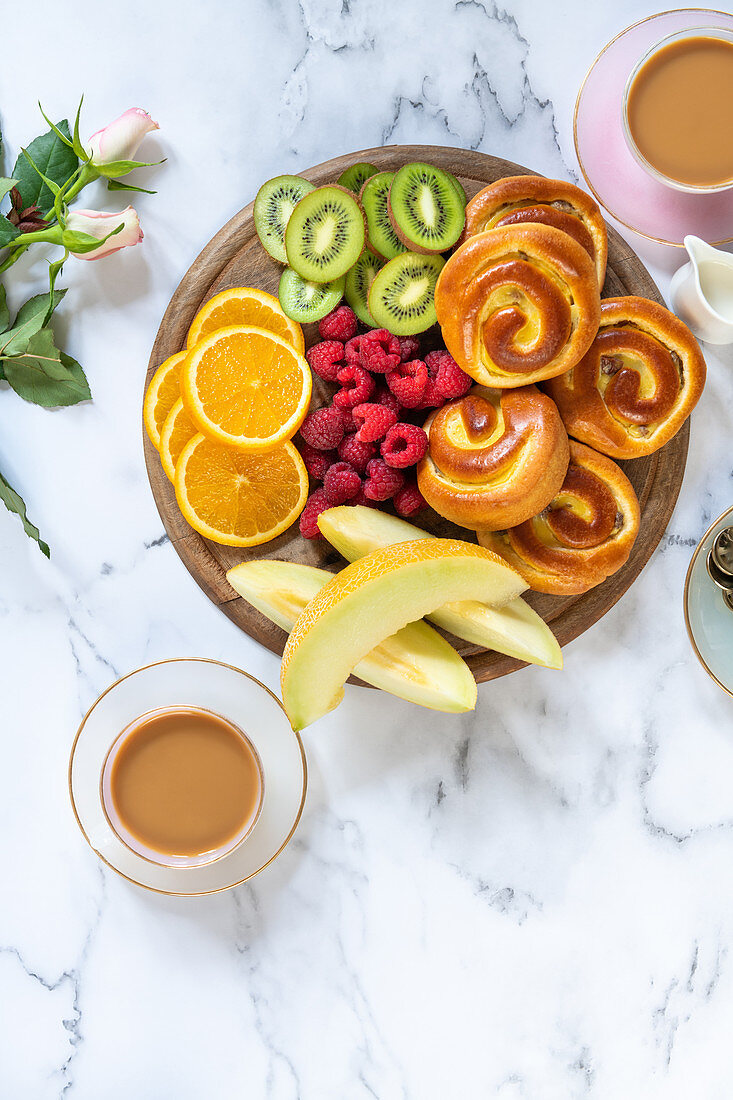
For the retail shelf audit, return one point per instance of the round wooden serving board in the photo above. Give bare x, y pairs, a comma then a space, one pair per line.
235, 258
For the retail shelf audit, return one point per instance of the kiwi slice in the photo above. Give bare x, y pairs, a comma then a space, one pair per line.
306, 301
425, 208
358, 282
274, 203
402, 296
458, 188
356, 176
381, 236
325, 235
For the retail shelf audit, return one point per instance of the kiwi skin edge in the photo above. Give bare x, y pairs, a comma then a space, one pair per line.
416, 246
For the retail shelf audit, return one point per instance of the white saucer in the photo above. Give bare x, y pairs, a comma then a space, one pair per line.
233, 694
709, 621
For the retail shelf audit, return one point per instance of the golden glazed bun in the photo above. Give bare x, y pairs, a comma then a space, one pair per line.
583, 536
518, 304
495, 457
636, 385
518, 200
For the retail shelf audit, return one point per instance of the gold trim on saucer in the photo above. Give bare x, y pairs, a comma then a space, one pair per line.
197, 893
686, 596
591, 188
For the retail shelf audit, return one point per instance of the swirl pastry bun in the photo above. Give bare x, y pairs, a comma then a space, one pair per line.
518, 304
636, 385
583, 536
495, 457
519, 200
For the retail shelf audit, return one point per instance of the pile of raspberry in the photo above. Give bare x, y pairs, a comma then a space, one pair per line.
365, 445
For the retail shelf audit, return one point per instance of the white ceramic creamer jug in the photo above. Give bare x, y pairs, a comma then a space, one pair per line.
701, 292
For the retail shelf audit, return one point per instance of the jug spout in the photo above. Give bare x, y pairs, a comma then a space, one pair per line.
700, 251
701, 291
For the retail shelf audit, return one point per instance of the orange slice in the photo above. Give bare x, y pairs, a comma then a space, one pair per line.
246, 387
243, 305
162, 394
236, 498
177, 429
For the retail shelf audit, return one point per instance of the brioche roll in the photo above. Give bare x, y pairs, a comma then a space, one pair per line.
518, 200
584, 535
495, 457
518, 304
636, 385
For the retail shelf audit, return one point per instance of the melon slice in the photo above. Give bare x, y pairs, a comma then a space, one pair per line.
372, 599
515, 629
416, 663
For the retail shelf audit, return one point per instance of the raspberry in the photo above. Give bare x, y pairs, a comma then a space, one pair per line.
326, 359
315, 504
409, 347
432, 398
363, 499
432, 362
341, 483
380, 351
323, 429
408, 500
340, 324
358, 386
408, 382
347, 418
384, 396
316, 462
404, 445
382, 481
356, 453
353, 351
373, 422
449, 379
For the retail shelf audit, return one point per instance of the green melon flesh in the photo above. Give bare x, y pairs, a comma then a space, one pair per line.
373, 599
515, 629
416, 663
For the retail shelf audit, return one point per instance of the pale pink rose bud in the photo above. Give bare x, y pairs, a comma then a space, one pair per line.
98, 223
120, 140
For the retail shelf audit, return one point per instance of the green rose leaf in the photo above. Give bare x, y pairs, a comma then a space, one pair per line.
45, 376
79, 242
122, 167
4, 311
32, 316
15, 503
52, 157
6, 186
8, 232
115, 185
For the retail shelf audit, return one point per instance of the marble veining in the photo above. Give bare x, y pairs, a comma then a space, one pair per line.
533, 901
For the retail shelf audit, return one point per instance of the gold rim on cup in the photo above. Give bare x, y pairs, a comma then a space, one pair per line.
649, 168
591, 188
182, 893
178, 863
686, 596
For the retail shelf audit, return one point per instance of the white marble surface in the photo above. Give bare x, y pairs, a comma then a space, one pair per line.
534, 901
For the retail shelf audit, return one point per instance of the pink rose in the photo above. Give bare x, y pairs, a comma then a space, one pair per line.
99, 224
120, 139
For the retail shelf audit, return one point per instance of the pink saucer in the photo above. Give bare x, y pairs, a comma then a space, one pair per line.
613, 175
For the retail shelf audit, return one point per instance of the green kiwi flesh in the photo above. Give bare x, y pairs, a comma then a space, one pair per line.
402, 296
356, 176
325, 235
458, 188
381, 236
358, 282
425, 208
307, 301
274, 203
